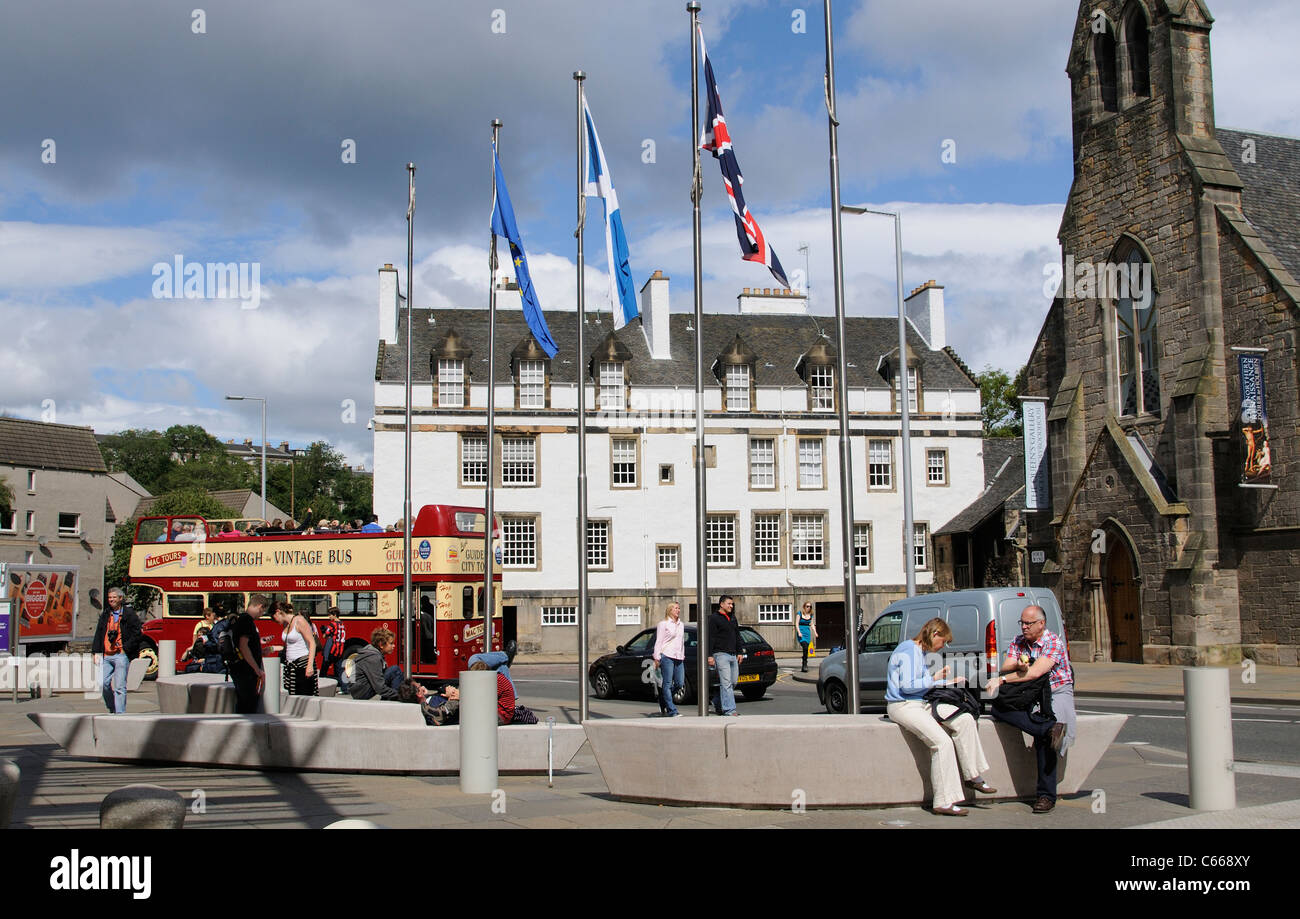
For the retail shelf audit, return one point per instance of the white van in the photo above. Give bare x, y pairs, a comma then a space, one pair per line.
983, 622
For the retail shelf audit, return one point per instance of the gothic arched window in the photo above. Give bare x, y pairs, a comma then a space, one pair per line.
1137, 49
1103, 53
1138, 365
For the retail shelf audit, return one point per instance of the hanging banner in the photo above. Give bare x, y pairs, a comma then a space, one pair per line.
1034, 412
1258, 466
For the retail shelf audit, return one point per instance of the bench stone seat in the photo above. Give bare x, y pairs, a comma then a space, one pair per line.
834, 760
192, 693
313, 734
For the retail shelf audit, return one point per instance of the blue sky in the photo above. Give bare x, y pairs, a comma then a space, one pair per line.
225, 145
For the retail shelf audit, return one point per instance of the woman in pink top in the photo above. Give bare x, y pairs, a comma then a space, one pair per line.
670, 658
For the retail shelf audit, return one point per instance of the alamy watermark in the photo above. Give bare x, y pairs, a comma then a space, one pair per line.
180, 279
1085, 280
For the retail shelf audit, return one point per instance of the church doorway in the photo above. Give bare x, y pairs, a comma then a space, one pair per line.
1122, 607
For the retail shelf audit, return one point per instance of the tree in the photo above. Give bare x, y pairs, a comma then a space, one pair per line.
186, 501
322, 481
144, 455
6, 496
998, 402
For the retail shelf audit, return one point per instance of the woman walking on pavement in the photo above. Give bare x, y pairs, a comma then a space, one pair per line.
670, 658
805, 631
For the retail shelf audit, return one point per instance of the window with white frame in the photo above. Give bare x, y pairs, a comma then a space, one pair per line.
31, 480
810, 463
69, 524
912, 404
627, 615
862, 545
920, 543
821, 388
669, 559
737, 387
559, 615
774, 613
612, 395
880, 464
598, 543
519, 542
623, 462
518, 461
473, 460
532, 384
806, 539
720, 539
767, 539
31, 521
451, 383
8, 521
936, 467
762, 462
31, 557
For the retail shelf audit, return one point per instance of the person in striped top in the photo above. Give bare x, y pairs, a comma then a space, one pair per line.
335, 634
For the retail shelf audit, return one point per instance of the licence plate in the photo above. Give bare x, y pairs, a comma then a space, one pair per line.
749, 678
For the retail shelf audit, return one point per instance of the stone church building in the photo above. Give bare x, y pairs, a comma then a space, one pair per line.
1157, 550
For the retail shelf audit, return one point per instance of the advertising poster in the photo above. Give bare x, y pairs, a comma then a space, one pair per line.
1258, 466
44, 599
1035, 439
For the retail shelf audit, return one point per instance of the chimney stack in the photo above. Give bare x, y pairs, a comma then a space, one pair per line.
388, 304
924, 308
654, 315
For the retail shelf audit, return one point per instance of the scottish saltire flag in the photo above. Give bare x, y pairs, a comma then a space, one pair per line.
753, 245
503, 224
622, 295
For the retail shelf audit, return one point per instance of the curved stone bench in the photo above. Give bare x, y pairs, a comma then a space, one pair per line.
834, 760
194, 693
313, 734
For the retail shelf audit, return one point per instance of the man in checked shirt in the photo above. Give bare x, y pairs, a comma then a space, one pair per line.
1033, 653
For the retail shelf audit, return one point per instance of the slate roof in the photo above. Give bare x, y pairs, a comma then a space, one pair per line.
38, 445
1001, 454
1271, 196
234, 499
778, 342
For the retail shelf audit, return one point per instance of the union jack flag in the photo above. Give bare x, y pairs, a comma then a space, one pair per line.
717, 139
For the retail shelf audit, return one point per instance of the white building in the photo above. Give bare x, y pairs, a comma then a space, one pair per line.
772, 454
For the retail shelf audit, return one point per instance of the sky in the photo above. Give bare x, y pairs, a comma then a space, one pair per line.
276, 136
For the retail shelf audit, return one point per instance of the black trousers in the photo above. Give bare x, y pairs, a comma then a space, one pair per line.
1039, 728
804, 645
246, 694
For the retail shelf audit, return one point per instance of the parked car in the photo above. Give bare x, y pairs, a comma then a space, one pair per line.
983, 622
626, 670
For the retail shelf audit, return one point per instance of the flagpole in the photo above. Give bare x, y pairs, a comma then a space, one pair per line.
701, 502
489, 600
584, 703
842, 389
406, 493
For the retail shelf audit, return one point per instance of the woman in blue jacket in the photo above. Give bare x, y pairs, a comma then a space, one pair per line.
906, 685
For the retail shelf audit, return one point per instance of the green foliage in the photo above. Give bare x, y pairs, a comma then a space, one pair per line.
998, 402
144, 455
321, 482
186, 501
184, 456
6, 496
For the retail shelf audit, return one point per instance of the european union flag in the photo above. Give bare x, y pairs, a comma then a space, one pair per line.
503, 224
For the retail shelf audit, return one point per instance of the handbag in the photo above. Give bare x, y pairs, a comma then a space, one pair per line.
1024, 695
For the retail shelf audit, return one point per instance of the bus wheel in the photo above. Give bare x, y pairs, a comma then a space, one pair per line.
150, 653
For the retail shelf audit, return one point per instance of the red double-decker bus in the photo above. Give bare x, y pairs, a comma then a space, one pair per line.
193, 564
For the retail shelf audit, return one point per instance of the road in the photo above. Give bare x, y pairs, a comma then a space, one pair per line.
1261, 733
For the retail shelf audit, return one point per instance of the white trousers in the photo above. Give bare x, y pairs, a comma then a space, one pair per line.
946, 753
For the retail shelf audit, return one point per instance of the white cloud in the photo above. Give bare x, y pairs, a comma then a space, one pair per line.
50, 255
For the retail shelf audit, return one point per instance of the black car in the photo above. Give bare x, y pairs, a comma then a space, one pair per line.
631, 668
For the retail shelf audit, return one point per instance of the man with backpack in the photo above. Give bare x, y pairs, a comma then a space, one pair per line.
1039, 655
117, 637
242, 639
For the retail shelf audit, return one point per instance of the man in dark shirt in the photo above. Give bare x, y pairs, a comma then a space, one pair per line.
724, 653
247, 672
117, 637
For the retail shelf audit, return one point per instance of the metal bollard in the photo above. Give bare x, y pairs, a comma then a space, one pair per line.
167, 657
1208, 706
478, 732
550, 751
271, 691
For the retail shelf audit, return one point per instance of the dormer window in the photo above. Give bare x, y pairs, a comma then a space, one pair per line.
821, 388
613, 397
451, 383
913, 391
532, 384
737, 382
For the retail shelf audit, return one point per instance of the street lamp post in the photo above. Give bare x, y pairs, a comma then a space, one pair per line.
263, 401
909, 557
